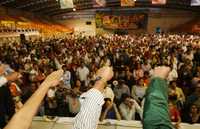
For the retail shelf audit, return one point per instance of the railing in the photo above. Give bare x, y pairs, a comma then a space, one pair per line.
67, 123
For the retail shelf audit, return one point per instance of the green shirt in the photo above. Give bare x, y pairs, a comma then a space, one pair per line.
156, 104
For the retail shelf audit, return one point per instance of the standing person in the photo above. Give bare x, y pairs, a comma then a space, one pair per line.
23, 118
92, 101
6, 101
156, 112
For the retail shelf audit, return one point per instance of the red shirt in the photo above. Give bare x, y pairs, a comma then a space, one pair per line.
174, 114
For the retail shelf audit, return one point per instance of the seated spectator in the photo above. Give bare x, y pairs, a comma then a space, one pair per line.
174, 114
194, 115
109, 110
66, 77
82, 73
173, 75
138, 72
139, 90
119, 89
74, 104
146, 66
51, 100
129, 107
176, 94
194, 98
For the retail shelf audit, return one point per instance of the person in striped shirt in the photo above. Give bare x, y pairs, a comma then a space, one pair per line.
92, 101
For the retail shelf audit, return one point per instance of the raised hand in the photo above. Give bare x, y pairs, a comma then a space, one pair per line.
53, 79
161, 71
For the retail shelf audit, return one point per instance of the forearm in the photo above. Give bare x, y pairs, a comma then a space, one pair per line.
118, 116
23, 118
103, 115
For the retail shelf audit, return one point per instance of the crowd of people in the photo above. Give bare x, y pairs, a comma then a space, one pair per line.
132, 57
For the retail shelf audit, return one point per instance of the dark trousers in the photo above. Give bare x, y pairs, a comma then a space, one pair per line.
2, 122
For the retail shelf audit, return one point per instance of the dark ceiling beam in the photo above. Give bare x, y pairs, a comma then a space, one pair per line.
60, 12
3, 2
44, 7
32, 3
51, 10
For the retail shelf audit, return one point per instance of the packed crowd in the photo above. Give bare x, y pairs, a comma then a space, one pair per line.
132, 58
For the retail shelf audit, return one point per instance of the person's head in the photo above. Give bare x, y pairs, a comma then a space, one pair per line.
141, 82
171, 104
173, 84
82, 64
126, 99
33, 87
146, 74
197, 89
194, 109
121, 82
78, 83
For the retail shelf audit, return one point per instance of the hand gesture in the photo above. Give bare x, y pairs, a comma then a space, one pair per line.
54, 78
161, 71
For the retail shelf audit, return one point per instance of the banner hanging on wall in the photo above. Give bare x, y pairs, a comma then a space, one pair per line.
66, 4
99, 3
132, 21
195, 2
127, 3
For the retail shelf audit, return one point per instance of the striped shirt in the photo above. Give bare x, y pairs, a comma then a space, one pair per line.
91, 105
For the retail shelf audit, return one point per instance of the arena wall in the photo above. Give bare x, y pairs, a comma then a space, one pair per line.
80, 25
165, 19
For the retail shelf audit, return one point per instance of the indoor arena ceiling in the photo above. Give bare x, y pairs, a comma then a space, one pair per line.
52, 7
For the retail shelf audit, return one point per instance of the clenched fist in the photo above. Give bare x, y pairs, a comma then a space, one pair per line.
161, 71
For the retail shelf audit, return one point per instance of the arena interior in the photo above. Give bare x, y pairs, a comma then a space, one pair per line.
38, 37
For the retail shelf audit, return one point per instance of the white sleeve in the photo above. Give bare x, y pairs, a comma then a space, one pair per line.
138, 109
3, 81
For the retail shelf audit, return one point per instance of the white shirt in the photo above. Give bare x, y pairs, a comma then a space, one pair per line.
108, 93
67, 78
129, 114
91, 105
51, 93
3, 81
83, 73
173, 75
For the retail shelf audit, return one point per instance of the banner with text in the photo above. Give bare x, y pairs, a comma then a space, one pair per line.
133, 21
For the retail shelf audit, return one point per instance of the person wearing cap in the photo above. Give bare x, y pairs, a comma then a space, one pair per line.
92, 101
156, 112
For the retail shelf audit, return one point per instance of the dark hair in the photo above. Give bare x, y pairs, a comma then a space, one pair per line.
198, 108
107, 99
124, 97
